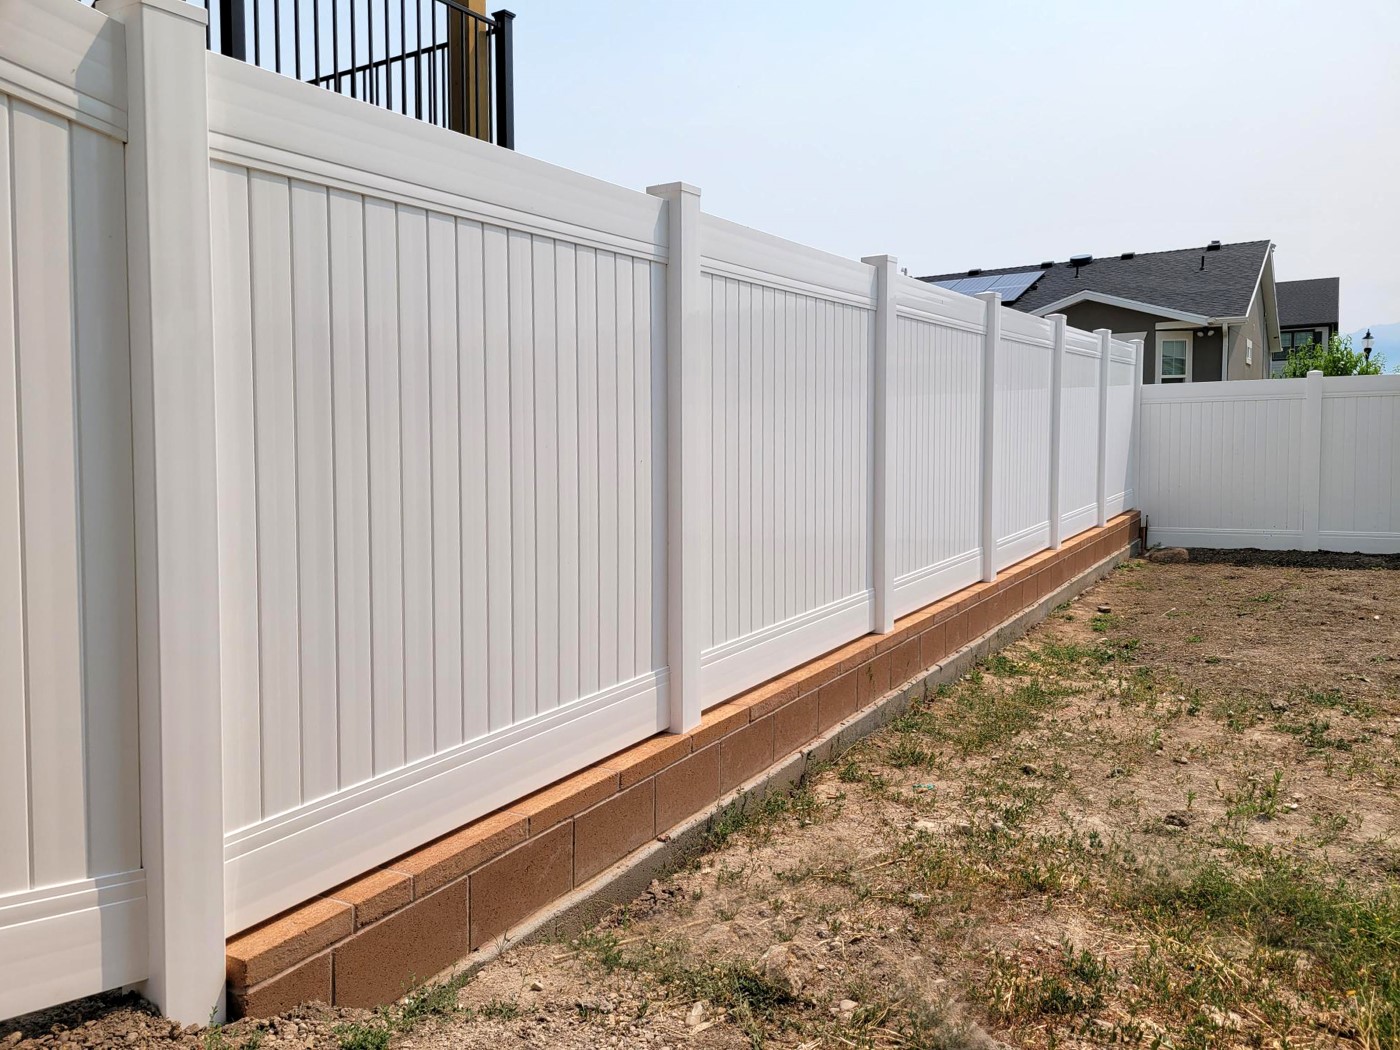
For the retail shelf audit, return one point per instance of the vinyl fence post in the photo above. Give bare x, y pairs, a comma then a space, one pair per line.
177, 557
990, 341
1057, 390
1139, 348
1105, 350
1310, 462
882, 531
688, 423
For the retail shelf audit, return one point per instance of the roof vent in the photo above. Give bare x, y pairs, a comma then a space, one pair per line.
1047, 264
1127, 255
974, 273
1213, 246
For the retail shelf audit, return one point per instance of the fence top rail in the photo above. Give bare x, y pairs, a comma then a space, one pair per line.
1024, 327
1227, 390
1084, 342
270, 122
733, 250
1346, 386
74, 61
928, 302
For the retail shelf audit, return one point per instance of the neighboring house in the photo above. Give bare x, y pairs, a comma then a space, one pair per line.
1307, 313
1203, 314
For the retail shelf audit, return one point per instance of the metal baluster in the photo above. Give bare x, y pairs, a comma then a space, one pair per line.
505, 81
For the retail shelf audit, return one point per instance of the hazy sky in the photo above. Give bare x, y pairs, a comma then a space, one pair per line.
994, 134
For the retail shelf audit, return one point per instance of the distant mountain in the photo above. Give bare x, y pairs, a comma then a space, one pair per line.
1387, 337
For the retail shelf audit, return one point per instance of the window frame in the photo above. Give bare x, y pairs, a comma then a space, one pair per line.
1174, 333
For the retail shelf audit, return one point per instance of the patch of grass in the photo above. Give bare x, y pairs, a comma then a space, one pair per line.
1254, 799
363, 1035
1001, 664
906, 751
751, 997
983, 716
603, 947
499, 1010
1282, 906
1074, 984
431, 1001
1102, 623
760, 818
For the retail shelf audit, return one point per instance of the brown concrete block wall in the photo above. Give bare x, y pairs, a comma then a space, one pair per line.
370, 940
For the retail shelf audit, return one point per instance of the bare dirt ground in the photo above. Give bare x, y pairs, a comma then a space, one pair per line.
1170, 816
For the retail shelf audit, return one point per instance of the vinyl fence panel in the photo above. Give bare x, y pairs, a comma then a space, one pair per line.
936, 398
792, 336
72, 888
1021, 486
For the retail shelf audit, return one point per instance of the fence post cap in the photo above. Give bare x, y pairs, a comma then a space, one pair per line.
179, 8
673, 189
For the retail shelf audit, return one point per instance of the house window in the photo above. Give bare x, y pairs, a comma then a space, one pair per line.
1173, 357
1290, 341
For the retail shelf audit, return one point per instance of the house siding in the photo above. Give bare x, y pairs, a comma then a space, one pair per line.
1089, 316
1252, 329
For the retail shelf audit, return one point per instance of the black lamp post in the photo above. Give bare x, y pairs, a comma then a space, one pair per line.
1366, 343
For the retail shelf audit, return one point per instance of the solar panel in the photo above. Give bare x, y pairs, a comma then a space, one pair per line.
1010, 285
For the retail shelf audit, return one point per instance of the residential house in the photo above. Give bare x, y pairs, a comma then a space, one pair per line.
1307, 313
1206, 313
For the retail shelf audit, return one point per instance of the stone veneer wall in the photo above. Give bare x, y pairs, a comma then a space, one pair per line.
370, 940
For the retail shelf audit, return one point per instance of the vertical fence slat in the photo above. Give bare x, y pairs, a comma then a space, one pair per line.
472, 423
1105, 338
446, 425
14, 758
350, 427
1057, 392
1310, 461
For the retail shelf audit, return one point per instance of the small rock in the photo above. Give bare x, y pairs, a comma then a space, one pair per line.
696, 1016
1029, 770
844, 1009
1168, 555
1292, 807
536, 985
1181, 760
1278, 705
1179, 818
1105, 609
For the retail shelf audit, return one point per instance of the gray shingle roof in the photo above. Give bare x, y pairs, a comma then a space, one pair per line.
1171, 279
1313, 301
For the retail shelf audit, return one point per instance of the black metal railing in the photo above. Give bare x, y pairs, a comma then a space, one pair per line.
435, 60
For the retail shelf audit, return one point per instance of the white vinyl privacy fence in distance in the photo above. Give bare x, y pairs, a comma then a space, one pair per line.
1287, 464
358, 478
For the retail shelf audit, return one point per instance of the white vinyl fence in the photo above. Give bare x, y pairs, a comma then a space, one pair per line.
1287, 464
420, 474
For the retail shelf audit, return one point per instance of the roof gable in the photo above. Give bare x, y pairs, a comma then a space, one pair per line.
1196, 281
